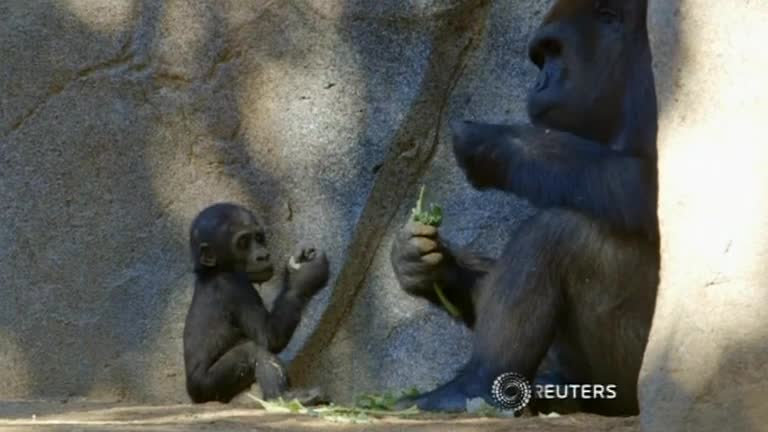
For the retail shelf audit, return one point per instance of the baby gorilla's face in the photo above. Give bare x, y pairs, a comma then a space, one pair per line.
249, 245
229, 238
260, 272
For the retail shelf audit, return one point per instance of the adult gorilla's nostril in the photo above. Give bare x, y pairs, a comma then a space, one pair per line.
536, 56
544, 46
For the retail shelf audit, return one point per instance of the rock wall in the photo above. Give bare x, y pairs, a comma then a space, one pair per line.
119, 120
706, 364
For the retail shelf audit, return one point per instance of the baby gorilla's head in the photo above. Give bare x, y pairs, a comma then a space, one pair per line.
228, 238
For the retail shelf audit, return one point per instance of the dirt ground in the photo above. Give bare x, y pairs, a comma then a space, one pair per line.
91, 416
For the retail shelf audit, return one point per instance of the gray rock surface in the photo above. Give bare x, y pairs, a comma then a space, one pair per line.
386, 340
120, 120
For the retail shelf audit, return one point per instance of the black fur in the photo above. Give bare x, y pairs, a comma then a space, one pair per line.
577, 281
230, 339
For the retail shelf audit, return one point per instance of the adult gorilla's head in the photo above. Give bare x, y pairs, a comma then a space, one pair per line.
586, 51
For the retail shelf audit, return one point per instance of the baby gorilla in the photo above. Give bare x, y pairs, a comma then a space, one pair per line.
230, 339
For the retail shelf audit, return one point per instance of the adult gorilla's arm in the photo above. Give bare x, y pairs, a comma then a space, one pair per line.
559, 169
421, 259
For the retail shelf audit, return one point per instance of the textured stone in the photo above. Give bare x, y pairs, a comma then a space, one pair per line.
388, 340
705, 366
119, 120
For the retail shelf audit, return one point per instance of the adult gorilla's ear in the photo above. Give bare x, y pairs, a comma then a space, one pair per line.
207, 257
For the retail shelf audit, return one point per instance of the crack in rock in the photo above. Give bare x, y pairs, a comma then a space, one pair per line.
395, 178
124, 60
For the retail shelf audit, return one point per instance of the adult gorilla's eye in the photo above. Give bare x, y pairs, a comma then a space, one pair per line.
607, 15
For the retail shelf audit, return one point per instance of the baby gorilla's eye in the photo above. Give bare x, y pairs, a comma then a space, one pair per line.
259, 238
244, 242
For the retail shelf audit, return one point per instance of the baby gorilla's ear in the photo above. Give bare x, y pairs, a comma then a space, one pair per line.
207, 256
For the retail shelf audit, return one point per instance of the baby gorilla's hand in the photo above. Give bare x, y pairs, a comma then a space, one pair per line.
307, 271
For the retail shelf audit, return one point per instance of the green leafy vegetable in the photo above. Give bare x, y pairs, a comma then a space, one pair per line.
433, 217
369, 408
384, 401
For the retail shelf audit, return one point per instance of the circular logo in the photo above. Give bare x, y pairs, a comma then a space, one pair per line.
511, 392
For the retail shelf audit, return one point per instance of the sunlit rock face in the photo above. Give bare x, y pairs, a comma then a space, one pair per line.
705, 366
120, 120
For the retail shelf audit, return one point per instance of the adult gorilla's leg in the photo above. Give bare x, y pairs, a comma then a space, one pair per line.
561, 367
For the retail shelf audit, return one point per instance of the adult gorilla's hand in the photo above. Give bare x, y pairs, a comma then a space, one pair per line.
418, 258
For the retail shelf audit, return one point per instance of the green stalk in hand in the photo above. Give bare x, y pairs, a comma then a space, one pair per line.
433, 217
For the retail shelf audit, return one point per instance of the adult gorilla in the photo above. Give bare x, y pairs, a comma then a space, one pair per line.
578, 279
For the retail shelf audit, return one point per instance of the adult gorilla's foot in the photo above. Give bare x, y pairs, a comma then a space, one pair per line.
443, 399
452, 396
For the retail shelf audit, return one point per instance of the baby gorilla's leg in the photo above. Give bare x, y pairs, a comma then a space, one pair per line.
270, 374
273, 380
235, 372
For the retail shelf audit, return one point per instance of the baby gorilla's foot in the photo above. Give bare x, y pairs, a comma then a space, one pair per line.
270, 375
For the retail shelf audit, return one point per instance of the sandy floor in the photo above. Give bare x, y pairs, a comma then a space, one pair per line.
90, 416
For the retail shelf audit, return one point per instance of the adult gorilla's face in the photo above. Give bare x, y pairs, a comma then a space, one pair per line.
582, 51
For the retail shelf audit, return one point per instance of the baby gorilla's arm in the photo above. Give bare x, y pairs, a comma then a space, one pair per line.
271, 330
307, 273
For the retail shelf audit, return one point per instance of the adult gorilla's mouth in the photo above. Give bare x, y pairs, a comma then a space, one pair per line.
541, 102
